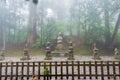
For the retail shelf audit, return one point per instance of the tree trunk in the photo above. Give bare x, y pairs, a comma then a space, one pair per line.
32, 34
115, 29
4, 38
78, 26
0, 33
78, 30
70, 31
70, 28
107, 25
42, 23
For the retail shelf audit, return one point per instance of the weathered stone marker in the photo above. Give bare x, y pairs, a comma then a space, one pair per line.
26, 55
2, 54
60, 42
60, 50
70, 52
48, 52
95, 52
116, 54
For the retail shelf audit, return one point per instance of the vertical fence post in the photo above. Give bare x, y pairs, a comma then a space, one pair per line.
61, 69
119, 69
78, 63
16, 70
6, 66
96, 72
44, 71
33, 72
0, 71
11, 75
102, 72
84, 70
22, 69
90, 71
108, 69
56, 70
114, 71
67, 69
39, 70
50, 70
27, 70
72, 70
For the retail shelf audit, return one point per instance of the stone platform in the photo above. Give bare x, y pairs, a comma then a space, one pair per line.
77, 58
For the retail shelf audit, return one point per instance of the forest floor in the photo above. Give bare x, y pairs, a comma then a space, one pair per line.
77, 58
81, 53
13, 52
17, 51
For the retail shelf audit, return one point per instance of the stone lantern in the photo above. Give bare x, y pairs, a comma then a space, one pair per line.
95, 52
26, 55
70, 51
48, 52
116, 54
2, 54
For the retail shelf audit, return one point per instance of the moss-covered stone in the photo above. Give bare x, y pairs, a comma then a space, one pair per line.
1, 58
25, 58
71, 58
48, 58
117, 56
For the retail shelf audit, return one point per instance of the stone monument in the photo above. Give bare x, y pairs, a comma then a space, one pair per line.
95, 52
70, 52
2, 54
48, 52
60, 42
116, 54
60, 47
26, 55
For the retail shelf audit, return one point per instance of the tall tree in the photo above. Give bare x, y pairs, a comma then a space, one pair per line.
32, 34
115, 29
2, 26
107, 23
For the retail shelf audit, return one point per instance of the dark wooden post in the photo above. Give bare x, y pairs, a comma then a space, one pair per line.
0, 71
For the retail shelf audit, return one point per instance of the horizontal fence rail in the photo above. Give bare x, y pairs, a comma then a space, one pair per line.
72, 70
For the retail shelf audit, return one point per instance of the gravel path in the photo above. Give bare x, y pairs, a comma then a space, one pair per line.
77, 58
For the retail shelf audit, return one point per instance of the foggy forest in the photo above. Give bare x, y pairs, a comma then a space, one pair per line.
59, 39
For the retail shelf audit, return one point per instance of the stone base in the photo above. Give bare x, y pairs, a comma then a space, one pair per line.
1, 58
71, 58
48, 58
59, 54
117, 56
25, 58
97, 57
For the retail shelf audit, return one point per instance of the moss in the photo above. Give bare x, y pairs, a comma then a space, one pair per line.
46, 71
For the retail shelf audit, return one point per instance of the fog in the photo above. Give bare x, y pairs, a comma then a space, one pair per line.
35, 22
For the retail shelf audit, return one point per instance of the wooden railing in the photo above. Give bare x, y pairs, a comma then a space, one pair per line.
72, 70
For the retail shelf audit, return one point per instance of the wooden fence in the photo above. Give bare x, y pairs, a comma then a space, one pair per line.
72, 70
